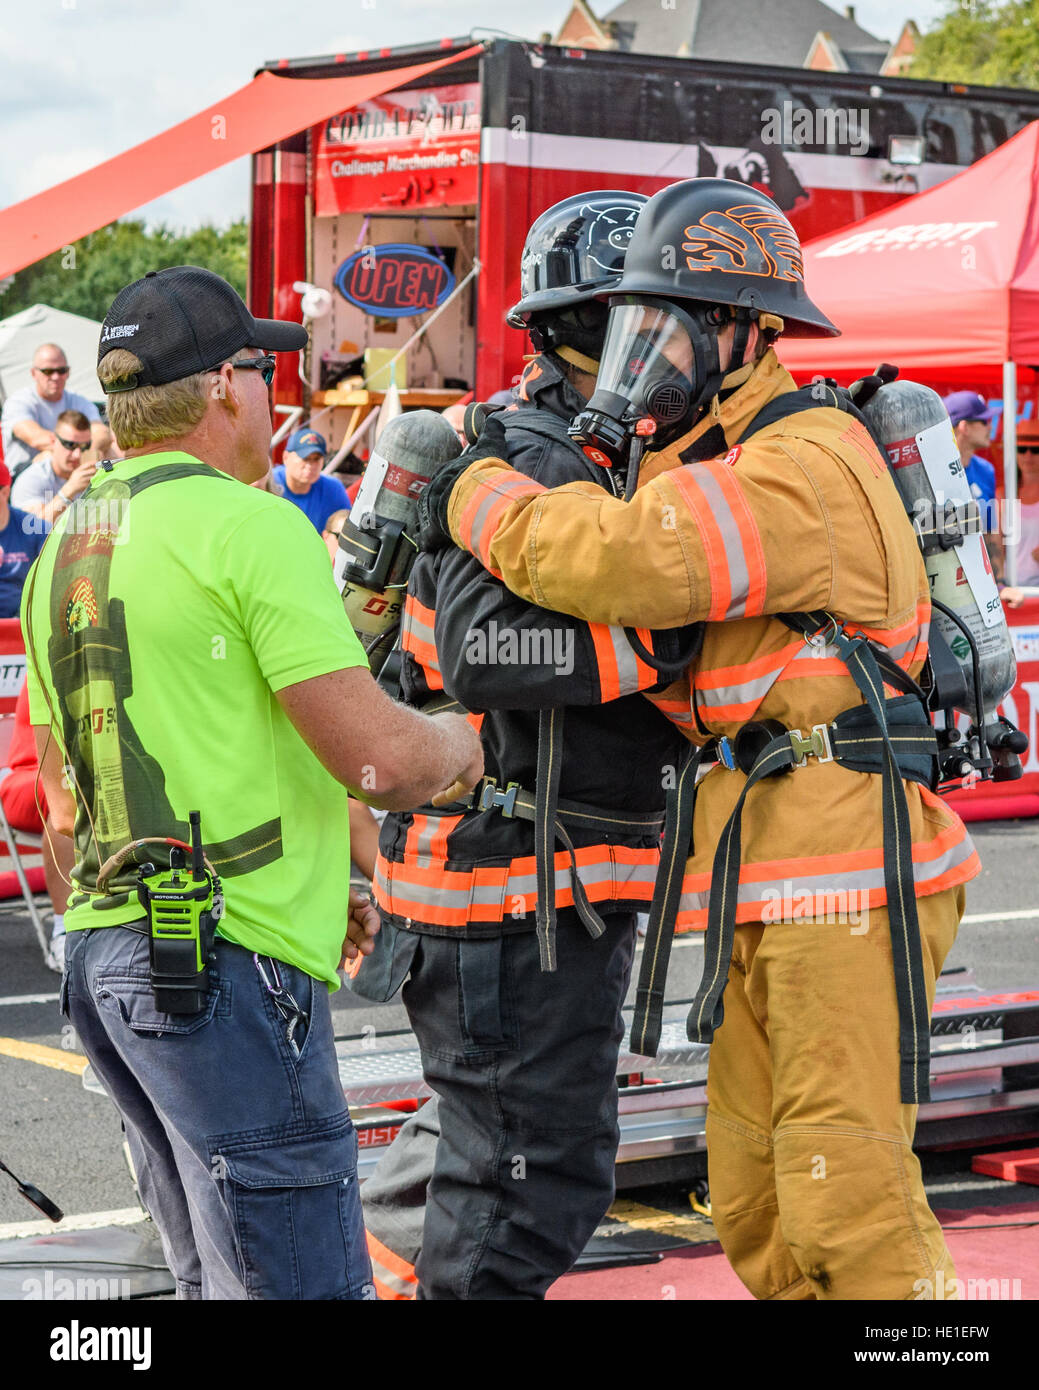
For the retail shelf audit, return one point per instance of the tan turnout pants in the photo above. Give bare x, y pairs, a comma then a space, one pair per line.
815, 1190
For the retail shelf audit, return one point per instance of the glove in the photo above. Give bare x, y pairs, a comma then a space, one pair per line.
433, 531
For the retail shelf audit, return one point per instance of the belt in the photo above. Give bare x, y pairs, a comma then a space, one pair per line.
550, 815
892, 738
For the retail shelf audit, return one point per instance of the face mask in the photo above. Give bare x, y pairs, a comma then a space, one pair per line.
659, 368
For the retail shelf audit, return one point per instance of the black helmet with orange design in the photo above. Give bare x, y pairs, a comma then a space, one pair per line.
705, 254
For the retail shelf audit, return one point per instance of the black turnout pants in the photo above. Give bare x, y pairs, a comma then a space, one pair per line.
524, 1064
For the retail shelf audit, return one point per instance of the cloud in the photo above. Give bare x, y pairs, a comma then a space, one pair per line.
86, 79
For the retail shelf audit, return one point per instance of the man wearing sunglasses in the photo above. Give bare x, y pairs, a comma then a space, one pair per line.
59, 474
1023, 530
188, 651
30, 416
972, 425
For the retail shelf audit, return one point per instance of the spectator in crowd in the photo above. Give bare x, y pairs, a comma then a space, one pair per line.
1023, 530
314, 492
330, 535
972, 424
58, 475
25, 806
30, 416
21, 540
455, 417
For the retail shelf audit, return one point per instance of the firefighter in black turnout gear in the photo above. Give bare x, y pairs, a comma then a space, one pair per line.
513, 918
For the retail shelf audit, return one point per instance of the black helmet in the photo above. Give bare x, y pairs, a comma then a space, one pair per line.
574, 251
705, 253
717, 241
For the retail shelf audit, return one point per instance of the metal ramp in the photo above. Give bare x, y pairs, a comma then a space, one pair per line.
984, 1083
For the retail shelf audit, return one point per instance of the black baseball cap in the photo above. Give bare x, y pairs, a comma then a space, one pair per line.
186, 320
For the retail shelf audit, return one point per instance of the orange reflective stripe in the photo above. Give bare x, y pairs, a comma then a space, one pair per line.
433, 894
427, 615
710, 539
606, 660
733, 693
944, 861
426, 840
731, 540
753, 550
392, 1263
812, 667
417, 636
476, 720
491, 498
621, 670
416, 829
647, 676
438, 841
678, 711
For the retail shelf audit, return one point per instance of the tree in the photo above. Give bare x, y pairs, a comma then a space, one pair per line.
987, 42
85, 277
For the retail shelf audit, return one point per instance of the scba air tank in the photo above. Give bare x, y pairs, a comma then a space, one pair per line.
912, 424
376, 545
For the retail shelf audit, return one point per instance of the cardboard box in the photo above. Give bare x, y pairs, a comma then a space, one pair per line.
377, 369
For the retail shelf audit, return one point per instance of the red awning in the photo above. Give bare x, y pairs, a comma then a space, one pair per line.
946, 281
268, 109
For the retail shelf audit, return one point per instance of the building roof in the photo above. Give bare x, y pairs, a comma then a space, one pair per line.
742, 31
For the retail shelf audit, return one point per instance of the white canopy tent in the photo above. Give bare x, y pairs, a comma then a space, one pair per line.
22, 333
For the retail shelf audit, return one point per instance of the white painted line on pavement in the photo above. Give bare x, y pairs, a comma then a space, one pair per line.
85, 1221
30, 999
686, 939
1015, 916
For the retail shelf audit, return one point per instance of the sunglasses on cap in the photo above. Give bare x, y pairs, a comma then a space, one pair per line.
71, 444
52, 371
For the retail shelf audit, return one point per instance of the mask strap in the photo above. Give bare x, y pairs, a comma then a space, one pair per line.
739, 343
578, 359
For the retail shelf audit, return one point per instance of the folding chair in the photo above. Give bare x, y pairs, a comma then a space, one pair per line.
24, 838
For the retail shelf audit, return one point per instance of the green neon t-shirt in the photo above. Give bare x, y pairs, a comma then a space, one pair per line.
198, 599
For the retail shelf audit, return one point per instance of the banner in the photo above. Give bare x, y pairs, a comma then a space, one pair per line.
407, 149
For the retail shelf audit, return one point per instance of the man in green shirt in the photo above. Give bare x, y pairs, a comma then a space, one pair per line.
188, 650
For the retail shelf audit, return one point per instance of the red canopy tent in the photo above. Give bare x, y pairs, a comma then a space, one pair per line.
945, 283
266, 110
946, 286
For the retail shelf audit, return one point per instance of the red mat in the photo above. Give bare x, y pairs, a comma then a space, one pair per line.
1005, 1250
9, 882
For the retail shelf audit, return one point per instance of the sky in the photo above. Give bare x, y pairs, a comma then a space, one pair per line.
82, 80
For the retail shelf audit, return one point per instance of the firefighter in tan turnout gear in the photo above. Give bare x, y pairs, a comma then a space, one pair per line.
827, 873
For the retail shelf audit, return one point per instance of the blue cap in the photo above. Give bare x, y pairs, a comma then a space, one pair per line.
305, 442
967, 405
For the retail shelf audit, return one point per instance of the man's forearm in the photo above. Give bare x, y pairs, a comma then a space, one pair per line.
424, 755
50, 511
29, 432
388, 755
